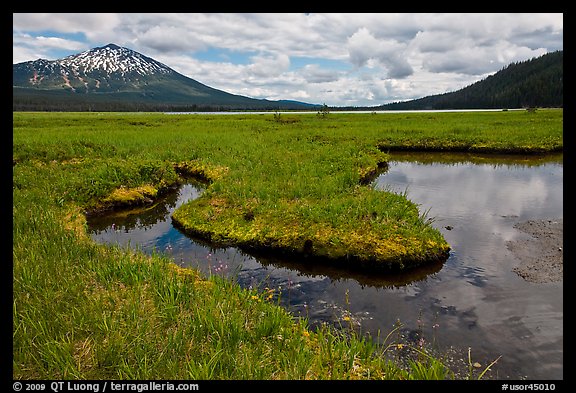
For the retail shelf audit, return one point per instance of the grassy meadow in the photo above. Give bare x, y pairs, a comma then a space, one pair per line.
295, 183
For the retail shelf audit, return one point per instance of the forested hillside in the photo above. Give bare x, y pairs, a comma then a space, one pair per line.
533, 83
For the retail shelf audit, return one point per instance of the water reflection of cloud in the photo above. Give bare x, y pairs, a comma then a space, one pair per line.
475, 199
477, 290
475, 190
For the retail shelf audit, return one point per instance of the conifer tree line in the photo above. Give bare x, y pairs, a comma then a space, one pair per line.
65, 102
533, 83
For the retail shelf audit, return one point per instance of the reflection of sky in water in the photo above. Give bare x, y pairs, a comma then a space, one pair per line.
480, 202
476, 294
475, 298
474, 192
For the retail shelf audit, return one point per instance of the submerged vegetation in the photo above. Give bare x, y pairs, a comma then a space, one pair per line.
88, 311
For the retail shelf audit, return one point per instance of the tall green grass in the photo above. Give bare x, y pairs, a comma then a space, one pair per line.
88, 311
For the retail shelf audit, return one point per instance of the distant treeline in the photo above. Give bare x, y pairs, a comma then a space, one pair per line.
80, 106
533, 83
24, 100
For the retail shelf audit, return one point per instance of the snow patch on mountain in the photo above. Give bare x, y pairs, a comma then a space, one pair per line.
113, 59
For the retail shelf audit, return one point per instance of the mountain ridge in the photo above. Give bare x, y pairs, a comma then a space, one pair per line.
112, 77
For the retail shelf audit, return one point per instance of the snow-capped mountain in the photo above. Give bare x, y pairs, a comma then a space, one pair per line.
114, 59
123, 76
104, 69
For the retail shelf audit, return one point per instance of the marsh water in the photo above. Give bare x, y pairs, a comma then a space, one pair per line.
472, 300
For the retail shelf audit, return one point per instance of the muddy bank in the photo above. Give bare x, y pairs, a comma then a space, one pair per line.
540, 256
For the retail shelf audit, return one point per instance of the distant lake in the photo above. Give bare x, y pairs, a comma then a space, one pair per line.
313, 112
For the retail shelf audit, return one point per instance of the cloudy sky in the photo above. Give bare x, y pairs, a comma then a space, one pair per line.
336, 59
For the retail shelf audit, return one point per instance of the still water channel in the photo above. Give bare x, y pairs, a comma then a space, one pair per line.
472, 300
